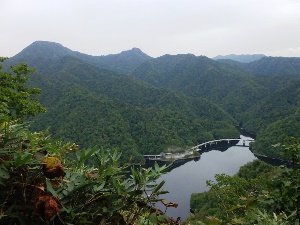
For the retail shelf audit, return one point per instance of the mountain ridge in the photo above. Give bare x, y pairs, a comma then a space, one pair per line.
172, 89
269, 66
124, 62
200, 76
99, 107
244, 58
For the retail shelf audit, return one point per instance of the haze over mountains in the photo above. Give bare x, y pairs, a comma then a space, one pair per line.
241, 58
141, 104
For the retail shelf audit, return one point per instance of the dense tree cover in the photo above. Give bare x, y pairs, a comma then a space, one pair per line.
126, 61
270, 66
226, 191
257, 194
90, 120
230, 87
275, 66
276, 133
257, 102
45, 181
239, 89
283, 102
274, 117
98, 107
17, 101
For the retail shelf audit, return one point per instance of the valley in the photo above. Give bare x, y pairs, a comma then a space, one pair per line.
129, 108
150, 112
142, 105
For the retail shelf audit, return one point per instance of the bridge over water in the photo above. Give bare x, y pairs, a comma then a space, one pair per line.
221, 143
201, 147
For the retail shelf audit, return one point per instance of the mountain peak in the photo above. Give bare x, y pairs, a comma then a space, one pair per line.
135, 52
44, 43
136, 49
45, 49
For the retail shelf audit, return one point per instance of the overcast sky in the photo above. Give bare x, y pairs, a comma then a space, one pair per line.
157, 27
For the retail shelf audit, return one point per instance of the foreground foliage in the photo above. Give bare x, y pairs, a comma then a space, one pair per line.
44, 181
17, 100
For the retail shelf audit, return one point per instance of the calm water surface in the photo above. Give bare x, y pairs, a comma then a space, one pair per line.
191, 177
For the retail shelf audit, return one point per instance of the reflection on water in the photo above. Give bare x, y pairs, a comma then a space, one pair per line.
191, 177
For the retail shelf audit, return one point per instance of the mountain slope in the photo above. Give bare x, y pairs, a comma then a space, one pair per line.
275, 117
280, 104
126, 60
93, 103
270, 66
229, 86
262, 104
275, 133
93, 106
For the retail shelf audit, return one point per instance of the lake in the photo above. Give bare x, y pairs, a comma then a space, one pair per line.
191, 177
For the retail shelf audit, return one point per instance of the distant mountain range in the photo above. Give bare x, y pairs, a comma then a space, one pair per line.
269, 66
125, 62
241, 58
139, 104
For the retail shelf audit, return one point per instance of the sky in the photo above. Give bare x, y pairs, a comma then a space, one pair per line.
157, 27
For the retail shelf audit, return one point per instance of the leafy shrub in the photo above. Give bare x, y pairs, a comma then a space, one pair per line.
43, 181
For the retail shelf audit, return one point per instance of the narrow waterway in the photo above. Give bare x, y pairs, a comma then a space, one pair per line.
191, 177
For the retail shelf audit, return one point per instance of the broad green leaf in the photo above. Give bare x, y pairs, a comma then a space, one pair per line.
159, 187
153, 218
4, 174
50, 188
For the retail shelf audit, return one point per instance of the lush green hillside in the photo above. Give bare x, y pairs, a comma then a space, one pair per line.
276, 133
283, 102
226, 85
270, 66
125, 61
255, 101
93, 106
273, 118
229, 87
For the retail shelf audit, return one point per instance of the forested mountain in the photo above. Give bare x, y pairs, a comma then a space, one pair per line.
270, 66
241, 58
62, 179
229, 86
93, 106
40, 51
276, 106
273, 117
126, 61
170, 100
255, 101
